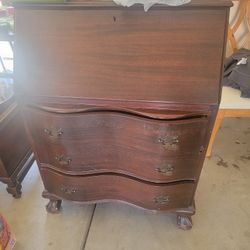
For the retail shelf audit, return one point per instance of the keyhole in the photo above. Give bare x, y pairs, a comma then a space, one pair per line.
202, 149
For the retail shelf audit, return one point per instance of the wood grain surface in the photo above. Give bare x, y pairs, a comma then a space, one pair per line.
115, 142
172, 56
118, 187
120, 103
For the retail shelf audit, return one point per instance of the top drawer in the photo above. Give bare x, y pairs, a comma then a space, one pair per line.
172, 55
112, 141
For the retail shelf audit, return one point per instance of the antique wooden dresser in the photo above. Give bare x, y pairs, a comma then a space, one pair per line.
16, 156
119, 103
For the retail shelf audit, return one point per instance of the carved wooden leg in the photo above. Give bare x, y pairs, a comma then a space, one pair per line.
184, 222
14, 188
54, 206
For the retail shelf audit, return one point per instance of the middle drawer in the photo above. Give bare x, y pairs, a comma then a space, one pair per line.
96, 142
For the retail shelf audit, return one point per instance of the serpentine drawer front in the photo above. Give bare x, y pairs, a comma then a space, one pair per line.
118, 187
116, 142
120, 104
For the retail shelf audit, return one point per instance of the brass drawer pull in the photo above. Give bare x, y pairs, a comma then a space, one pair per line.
167, 169
168, 140
53, 132
161, 200
63, 160
68, 190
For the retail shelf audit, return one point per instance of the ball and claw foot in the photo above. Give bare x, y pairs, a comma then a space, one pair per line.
15, 190
184, 222
54, 206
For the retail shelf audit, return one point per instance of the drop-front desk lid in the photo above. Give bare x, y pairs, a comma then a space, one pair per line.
99, 50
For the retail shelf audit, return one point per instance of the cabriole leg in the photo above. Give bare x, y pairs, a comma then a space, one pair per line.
183, 216
14, 188
184, 222
54, 206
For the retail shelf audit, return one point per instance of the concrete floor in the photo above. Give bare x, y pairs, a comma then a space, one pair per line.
222, 219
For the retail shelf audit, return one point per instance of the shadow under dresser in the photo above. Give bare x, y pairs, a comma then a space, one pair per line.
119, 103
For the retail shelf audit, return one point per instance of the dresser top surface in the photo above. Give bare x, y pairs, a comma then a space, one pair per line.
110, 3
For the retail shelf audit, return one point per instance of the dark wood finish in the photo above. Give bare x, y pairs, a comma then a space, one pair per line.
118, 187
54, 206
120, 104
107, 141
15, 152
95, 60
184, 219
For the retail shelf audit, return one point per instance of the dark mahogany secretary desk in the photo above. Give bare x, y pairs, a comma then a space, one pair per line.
119, 103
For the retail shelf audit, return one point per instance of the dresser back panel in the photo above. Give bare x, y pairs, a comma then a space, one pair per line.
170, 55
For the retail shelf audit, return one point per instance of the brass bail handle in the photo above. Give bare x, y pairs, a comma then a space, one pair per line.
68, 190
167, 169
169, 140
53, 132
162, 200
63, 160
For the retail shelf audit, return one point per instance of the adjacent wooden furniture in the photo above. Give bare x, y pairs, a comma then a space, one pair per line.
232, 105
16, 156
243, 16
120, 103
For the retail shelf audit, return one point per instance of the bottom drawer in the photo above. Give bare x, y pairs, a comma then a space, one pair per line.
105, 187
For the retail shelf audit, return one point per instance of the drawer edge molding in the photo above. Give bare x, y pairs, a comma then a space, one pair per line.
114, 172
63, 101
146, 113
